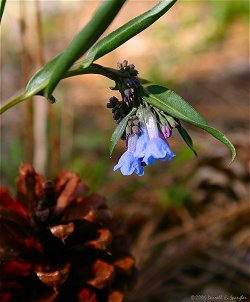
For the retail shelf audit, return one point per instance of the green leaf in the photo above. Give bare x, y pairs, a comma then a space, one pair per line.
127, 31
186, 137
119, 131
2, 6
171, 103
41, 78
91, 32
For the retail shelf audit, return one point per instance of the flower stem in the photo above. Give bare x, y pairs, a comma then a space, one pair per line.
12, 103
76, 69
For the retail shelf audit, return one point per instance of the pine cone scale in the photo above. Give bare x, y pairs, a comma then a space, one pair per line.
59, 236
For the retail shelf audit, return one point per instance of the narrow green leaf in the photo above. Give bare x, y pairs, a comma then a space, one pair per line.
2, 6
171, 103
221, 137
40, 79
119, 131
127, 31
186, 137
102, 18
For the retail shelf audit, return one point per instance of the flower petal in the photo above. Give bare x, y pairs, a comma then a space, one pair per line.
129, 164
157, 148
141, 145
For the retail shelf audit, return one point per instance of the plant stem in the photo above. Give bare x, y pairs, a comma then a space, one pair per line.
110, 73
12, 103
76, 69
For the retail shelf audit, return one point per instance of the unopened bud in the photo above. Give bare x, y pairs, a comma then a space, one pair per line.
116, 115
136, 122
136, 130
133, 72
112, 102
115, 108
128, 130
128, 93
130, 123
172, 122
137, 82
109, 105
125, 99
166, 131
124, 64
129, 83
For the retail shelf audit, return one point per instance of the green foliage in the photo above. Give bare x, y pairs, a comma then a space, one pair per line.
168, 101
2, 6
38, 83
62, 66
186, 137
84, 40
127, 31
171, 103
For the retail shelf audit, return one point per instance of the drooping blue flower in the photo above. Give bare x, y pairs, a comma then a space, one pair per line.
142, 142
128, 163
157, 148
151, 145
145, 143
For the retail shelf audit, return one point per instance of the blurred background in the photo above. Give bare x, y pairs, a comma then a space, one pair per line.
188, 219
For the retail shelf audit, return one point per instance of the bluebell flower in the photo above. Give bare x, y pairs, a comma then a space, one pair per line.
157, 148
128, 163
142, 142
151, 145
145, 144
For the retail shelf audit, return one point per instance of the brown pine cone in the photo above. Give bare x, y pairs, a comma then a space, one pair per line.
60, 243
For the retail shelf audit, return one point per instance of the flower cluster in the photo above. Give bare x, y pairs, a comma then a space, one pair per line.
145, 143
129, 87
119, 109
146, 132
130, 84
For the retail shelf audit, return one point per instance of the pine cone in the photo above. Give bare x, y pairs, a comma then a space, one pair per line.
61, 243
